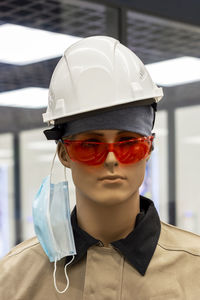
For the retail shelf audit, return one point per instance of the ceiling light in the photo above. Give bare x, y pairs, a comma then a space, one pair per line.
26, 98
177, 71
22, 45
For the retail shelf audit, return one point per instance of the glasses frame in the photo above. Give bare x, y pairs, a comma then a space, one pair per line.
109, 146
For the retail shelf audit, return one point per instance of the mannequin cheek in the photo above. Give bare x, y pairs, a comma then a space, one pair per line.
136, 173
80, 175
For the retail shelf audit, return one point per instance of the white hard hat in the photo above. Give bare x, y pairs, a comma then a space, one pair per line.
97, 73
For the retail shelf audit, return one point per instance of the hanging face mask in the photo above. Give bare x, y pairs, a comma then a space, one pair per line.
52, 222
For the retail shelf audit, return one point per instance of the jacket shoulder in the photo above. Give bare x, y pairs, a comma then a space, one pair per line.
22, 271
24, 246
29, 250
177, 239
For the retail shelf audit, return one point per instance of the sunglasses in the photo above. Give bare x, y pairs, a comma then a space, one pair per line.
94, 153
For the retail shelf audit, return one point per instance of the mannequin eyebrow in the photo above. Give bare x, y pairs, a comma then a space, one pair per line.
101, 134
96, 133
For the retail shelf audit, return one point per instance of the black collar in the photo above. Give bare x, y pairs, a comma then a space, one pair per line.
138, 247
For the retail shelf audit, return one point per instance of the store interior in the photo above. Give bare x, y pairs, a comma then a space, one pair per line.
165, 37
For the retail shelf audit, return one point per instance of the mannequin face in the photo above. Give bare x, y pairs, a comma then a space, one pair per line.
90, 181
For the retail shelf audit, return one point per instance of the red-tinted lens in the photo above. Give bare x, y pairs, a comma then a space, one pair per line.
95, 153
132, 151
90, 153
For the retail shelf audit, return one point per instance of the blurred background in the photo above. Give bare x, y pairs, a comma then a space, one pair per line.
34, 35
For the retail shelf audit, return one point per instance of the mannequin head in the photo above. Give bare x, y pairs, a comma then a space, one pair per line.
122, 180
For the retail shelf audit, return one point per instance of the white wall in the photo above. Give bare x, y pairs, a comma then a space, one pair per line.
7, 230
160, 170
188, 167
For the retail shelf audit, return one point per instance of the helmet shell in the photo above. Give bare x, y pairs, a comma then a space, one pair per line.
95, 73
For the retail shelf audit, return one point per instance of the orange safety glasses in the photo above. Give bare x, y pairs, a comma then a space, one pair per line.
94, 153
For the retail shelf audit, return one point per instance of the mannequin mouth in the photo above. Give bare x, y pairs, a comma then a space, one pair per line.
112, 178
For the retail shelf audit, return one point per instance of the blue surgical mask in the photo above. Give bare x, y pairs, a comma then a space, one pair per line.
52, 222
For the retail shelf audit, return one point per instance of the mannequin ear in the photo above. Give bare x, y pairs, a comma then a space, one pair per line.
63, 155
149, 155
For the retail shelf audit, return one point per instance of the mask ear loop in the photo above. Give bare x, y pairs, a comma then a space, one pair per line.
53, 161
66, 276
55, 262
65, 175
52, 165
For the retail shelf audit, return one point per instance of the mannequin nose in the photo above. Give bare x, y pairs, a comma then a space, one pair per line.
111, 159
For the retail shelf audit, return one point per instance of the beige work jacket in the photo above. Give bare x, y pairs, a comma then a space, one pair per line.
104, 274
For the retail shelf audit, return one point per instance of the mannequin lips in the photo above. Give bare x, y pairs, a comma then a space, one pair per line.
112, 177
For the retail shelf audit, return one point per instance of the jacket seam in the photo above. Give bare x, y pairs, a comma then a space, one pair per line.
121, 277
22, 250
163, 225
181, 250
